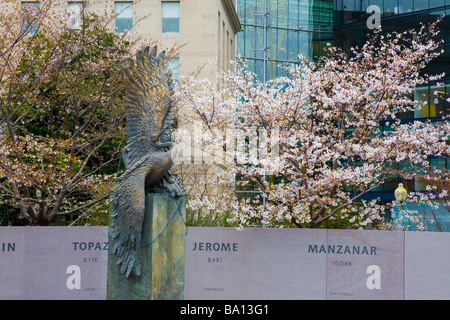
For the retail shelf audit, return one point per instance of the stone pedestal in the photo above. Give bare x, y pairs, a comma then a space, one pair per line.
162, 254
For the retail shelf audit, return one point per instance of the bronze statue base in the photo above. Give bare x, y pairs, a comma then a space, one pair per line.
162, 254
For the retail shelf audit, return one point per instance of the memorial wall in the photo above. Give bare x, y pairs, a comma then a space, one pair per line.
225, 263
53, 262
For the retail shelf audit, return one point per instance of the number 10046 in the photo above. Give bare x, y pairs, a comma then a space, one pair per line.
340, 263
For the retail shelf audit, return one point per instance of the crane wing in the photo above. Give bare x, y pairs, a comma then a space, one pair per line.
127, 210
150, 117
148, 102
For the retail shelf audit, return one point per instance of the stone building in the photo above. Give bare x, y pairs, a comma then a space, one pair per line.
206, 29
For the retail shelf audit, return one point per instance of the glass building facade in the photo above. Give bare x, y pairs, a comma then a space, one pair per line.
351, 27
275, 32
350, 22
350, 30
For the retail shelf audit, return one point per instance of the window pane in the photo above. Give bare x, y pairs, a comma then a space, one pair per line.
124, 19
436, 101
123, 25
405, 6
170, 9
124, 9
74, 11
26, 4
170, 25
420, 4
445, 102
378, 3
437, 3
390, 7
170, 17
349, 11
421, 95
30, 4
174, 65
349, 5
30, 10
438, 163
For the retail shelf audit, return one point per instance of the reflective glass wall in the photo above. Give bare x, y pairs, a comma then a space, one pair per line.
350, 18
350, 30
275, 32
348, 11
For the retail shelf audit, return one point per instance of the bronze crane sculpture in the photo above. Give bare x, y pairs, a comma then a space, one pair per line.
151, 118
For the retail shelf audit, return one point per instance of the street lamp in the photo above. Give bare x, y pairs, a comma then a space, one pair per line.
400, 193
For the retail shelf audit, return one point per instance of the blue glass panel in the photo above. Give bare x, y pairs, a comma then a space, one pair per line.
30, 9
437, 3
170, 17
294, 16
124, 9
420, 5
240, 43
433, 219
174, 65
362, 5
124, 19
378, 3
349, 5
390, 7
170, 25
75, 15
405, 6
171, 9
123, 24
294, 26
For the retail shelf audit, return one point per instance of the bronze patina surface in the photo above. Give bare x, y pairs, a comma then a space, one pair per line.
162, 254
151, 118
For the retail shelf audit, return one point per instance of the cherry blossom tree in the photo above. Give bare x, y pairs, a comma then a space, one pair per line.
312, 143
61, 121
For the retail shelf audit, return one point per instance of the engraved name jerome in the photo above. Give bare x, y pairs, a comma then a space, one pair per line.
341, 249
215, 246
